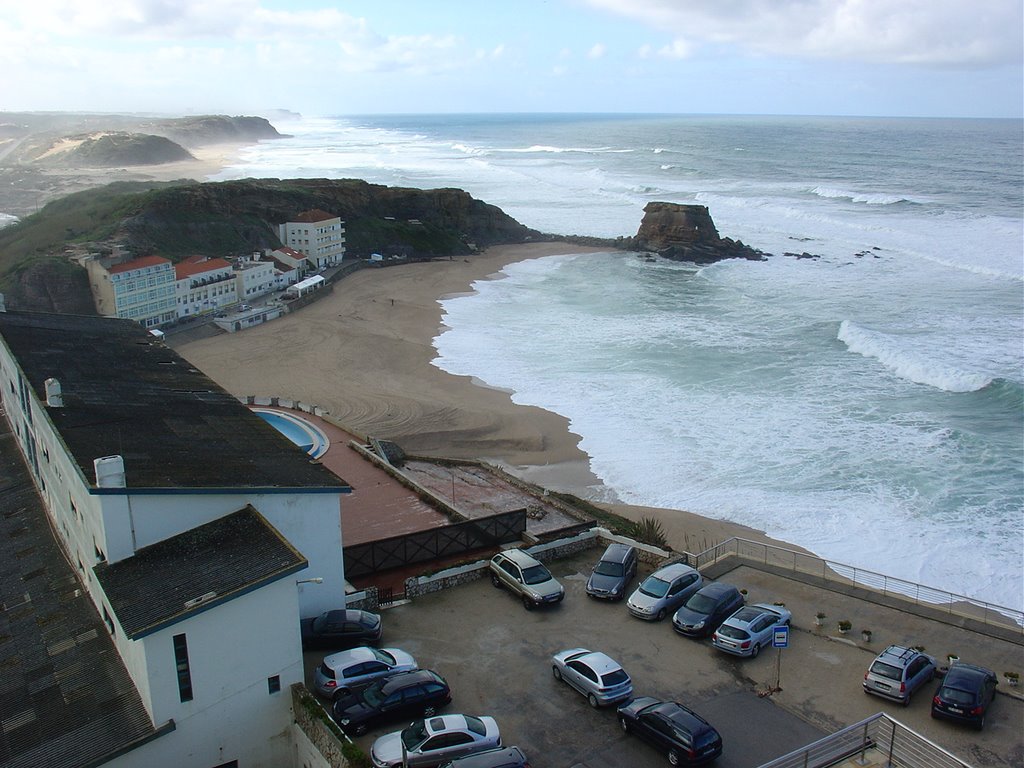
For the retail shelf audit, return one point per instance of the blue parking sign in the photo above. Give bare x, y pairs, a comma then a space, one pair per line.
780, 637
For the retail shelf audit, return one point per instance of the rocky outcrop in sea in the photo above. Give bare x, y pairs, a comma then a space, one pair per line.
687, 233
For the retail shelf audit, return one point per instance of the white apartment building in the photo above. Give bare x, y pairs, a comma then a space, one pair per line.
254, 277
291, 257
189, 521
318, 235
142, 290
204, 285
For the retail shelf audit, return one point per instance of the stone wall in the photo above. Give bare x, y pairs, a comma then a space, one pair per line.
318, 741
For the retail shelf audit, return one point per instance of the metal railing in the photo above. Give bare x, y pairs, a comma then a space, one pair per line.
850, 575
878, 736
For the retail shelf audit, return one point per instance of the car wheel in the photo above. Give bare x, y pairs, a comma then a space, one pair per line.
593, 701
360, 729
980, 724
495, 580
673, 757
340, 693
527, 603
624, 724
557, 675
428, 711
755, 650
661, 614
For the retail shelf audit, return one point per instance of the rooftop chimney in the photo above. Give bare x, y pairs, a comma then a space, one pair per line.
54, 396
109, 472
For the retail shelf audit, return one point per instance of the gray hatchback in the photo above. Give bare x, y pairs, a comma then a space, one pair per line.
613, 572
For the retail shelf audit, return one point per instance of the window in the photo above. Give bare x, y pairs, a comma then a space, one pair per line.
181, 666
108, 621
274, 684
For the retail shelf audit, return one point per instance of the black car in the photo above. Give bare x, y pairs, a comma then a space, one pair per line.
706, 609
965, 694
613, 572
506, 757
686, 737
419, 693
341, 629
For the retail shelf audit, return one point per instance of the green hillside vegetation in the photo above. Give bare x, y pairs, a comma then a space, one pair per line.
230, 219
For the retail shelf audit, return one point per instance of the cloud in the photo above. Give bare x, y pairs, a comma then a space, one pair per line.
922, 32
677, 49
597, 51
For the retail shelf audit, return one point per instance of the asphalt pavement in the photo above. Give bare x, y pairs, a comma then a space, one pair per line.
497, 658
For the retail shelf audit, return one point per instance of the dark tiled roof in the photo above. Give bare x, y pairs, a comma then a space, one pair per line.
196, 570
126, 393
65, 696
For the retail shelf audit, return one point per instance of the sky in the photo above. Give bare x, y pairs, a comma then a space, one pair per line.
928, 58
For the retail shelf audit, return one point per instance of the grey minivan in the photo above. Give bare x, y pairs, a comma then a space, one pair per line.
613, 572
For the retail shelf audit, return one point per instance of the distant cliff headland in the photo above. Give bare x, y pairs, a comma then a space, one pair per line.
52, 166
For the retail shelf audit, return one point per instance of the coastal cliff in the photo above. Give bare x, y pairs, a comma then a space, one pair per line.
687, 233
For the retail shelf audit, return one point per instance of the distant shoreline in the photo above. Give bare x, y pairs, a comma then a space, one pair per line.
364, 353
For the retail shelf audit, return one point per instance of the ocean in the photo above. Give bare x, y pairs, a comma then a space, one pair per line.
867, 404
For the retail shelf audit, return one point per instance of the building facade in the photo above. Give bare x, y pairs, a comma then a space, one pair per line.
204, 285
254, 277
318, 235
190, 523
142, 290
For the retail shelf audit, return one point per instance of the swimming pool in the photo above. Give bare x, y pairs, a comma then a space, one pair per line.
307, 437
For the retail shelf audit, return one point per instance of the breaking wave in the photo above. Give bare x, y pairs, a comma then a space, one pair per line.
894, 356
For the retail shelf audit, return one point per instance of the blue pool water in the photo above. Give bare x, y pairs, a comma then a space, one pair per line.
301, 433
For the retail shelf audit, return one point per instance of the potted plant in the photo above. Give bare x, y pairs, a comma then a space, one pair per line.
819, 618
1012, 678
844, 626
865, 635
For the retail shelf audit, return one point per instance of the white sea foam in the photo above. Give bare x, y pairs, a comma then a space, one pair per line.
877, 441
894, 355
7, 219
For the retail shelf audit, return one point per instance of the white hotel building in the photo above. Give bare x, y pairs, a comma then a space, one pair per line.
188, 523
318, 235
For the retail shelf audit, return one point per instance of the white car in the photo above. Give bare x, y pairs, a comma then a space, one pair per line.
435, 740
341, 673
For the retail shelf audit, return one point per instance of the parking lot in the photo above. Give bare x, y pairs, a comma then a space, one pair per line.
496, 657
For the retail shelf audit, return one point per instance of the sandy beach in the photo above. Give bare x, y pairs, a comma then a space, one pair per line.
364, 354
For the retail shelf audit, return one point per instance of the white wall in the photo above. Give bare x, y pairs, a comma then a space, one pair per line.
311, 522
233, 649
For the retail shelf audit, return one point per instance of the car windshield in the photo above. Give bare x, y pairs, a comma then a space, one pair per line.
320, 622
605, 568
384, 656
476, 725
414, 734
617, 677
701, 604
732, 632
956, 695
886, 670
536, 574
374, 695
654, 587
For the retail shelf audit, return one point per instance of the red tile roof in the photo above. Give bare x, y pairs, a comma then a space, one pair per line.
287, 251
313, 216
140, 263
190, 267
